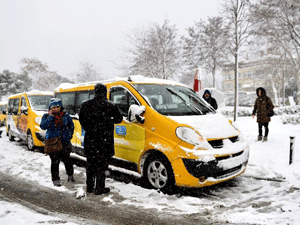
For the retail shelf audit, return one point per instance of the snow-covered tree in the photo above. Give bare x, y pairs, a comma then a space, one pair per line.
6, 80
236, 15
87, 72
154, 51
36, 70
12, 83
205, 46
279, 22
43, 78
23, 82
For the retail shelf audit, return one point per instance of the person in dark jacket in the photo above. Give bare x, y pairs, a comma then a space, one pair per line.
262, 107
58, 123
207, 97
97, 117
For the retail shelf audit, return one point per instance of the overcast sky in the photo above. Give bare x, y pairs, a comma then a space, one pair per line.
63, 33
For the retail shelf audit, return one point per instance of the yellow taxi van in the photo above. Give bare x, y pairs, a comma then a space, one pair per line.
169, 135
3, 106
24, 114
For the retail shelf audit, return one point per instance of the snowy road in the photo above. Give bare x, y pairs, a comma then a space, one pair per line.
267, 193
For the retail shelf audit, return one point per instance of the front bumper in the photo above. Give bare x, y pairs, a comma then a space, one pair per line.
211, 166
215, 168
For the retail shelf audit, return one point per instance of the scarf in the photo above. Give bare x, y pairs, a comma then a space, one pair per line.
58, 119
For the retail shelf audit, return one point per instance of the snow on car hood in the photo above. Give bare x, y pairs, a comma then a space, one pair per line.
210, 126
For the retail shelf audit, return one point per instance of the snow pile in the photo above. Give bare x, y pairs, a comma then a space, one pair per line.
242, 111
289, 114
12, 213
289, 110
292, 119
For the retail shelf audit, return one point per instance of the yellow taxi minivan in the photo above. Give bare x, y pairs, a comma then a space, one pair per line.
24, 114
169, 135
3, 106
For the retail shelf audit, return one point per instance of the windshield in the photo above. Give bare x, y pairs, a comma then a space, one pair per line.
39, 102
172, 100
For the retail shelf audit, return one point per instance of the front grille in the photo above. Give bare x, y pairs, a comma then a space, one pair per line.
226, 173
216, 143
234, 139
230, 156
219, 143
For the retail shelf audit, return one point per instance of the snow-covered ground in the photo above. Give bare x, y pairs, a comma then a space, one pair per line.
13, 213
267, 193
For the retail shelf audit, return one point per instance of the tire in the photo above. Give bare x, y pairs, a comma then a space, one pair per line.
10, 136
29, 141
158, 173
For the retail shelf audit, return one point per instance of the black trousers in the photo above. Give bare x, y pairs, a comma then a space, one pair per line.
95, 171
266, 125
56, 157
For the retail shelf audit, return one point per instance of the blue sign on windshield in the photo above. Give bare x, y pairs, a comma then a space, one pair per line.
121, 130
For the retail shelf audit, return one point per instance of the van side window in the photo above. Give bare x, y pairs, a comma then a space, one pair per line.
83, 96
15, 106
68, 101
23, 102
123, 99
10, 106
23, 105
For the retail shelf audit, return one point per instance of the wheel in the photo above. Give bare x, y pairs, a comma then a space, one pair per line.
10, 136
29, 141
158, 173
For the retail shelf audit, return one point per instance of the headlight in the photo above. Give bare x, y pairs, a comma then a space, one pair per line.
38, 120
189, 135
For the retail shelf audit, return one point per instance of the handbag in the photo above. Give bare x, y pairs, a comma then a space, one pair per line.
271, 113
53, 145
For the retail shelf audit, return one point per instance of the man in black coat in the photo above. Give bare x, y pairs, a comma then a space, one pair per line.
207, 97
97, 117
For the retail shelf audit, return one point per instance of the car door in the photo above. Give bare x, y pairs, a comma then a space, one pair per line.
129, 137
12, 116
22, 117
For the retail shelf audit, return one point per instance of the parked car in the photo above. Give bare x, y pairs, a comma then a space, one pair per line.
169, 135
24, 114
3, 106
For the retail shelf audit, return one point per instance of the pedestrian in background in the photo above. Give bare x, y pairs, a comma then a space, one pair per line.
262, 108
208, 98
58, 123
97, 117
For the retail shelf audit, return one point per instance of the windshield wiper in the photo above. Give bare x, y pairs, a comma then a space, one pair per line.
179, 96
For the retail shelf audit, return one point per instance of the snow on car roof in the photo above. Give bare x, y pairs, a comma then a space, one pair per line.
137, 79
34, 92
37, 92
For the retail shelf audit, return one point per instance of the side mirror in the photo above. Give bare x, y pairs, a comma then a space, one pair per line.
135, 113
4, 112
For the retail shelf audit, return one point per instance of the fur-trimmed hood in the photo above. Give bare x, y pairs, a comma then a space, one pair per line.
263, 91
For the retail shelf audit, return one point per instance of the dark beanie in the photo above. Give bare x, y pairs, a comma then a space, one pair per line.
100, 90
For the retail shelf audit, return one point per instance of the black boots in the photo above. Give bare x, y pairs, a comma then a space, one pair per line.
103, 191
